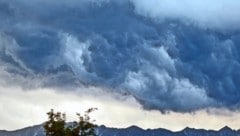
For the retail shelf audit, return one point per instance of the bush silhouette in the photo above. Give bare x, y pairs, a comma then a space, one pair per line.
57, 126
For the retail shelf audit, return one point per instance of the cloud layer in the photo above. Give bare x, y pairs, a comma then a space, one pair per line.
214, 14
168, 65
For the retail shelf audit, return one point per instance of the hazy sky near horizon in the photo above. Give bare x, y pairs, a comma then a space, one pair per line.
150, 57
30, 108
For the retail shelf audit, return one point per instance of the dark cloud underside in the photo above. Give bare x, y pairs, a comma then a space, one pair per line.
172, 64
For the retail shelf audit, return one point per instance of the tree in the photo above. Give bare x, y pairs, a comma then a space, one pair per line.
57, 126
86, 128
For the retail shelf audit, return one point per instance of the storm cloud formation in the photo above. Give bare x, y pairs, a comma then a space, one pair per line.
167, 57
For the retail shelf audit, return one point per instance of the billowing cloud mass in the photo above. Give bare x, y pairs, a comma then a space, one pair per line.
171, 56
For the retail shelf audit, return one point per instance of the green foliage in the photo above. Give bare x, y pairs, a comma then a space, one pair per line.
56, 125
86, 127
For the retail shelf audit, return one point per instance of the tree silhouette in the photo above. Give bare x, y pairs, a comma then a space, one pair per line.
86, 128
57, 126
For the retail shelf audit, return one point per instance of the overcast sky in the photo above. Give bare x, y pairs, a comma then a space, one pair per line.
156, 59
214, 14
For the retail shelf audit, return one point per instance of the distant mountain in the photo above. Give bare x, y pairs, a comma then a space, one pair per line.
131, 131
29, 131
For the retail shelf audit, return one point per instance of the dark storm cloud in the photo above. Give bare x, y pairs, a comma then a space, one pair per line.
167, 65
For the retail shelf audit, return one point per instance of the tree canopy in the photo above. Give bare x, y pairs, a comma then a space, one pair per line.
57, 126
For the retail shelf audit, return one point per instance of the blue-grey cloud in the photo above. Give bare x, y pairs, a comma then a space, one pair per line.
215, 14
169, 65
